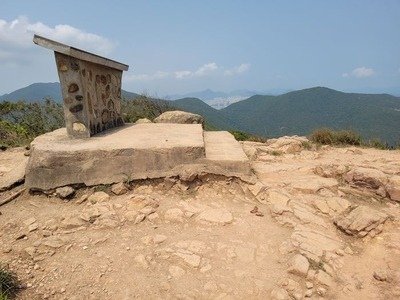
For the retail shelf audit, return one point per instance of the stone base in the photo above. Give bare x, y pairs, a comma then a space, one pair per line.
131, 152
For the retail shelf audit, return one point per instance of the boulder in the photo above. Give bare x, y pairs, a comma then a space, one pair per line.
143, 121
361, 221
299, 265
180, 117
98, 197
367, 178
119, 188
393, 188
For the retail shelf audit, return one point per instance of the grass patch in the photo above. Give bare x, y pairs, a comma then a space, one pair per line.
326, 136
244, 136
9, 284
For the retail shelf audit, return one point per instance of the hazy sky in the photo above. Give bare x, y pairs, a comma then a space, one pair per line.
182, 46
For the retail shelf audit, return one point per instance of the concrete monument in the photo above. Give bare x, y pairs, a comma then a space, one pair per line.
91, 88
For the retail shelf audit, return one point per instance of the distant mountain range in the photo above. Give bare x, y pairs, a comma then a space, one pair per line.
298, 112
221, 100
39, 91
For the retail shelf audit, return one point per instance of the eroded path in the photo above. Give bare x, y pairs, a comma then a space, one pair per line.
319, 224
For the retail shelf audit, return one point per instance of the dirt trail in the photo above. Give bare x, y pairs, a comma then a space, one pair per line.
307, 229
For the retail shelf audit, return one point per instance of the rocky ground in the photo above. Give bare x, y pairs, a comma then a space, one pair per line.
321, 223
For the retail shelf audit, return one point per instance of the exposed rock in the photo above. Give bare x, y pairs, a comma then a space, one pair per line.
313, 243
191, 259
12, 167
179, 117
312, 184
65, 192
174, 215
33, 227
53, 242
216, 215
324, 279
330, 171
29, 221
119, 188
361, 221
279, 202
141, 260
98, 197
71, 222
393, 188
159, 238
279, 294
142, 121
367, 178
380, 275
176, 271
299, 265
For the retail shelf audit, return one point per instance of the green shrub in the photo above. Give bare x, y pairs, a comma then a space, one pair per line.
376, 143
9, 284
326, 136
244, 136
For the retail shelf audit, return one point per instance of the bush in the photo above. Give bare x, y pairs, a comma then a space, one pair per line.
326, 136
244, 136
20, 122
9, 284
143, 107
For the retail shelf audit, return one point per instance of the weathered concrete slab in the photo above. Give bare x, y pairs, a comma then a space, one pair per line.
223, 150
12, 167
129, 152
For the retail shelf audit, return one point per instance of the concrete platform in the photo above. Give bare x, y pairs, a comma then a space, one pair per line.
223, 150
132, 152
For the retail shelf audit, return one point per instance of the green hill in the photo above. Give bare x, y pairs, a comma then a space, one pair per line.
301, 112
41, 90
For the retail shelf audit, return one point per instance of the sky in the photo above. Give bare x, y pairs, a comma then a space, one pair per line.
176, 47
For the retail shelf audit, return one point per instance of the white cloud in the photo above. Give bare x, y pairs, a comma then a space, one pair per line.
237, 70
361, 72
183, 74
17, 35
206, 69
146, 77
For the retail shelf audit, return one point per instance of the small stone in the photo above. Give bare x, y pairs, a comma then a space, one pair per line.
308, 293
159, 238
348, 250
33, 227
29, 221
309, 285
380, 275
140, 218
65, 192
147, 210
141, 260
321, 291
53, 242
131, 215
30, 251
72, 222
216, 215
119, 188
279, 294
98, 197
62, 290
192, 260
82, 199
176, 271
85, 247
7, 250
152, 217
174, 215
299, 265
